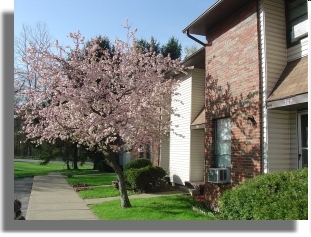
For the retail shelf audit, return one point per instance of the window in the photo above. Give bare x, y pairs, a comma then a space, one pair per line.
297, 19
223, 143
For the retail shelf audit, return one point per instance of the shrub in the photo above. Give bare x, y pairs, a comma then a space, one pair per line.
69, 174
143, 179
274, 196
137, 163
96, 157
102, 166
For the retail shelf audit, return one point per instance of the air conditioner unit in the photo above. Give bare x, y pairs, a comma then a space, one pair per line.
219, 175
300, 29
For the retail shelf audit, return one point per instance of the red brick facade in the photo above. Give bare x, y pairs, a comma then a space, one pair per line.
233, 90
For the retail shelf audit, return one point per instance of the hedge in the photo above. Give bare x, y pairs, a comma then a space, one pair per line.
274, 196
137, 163
143, 179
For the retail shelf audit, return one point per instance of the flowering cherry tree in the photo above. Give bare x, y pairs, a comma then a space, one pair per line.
116, 101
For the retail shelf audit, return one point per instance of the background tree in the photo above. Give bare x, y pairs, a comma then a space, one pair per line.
96, 46
191, 49
39, 36
144, 46
109, 104
172, 48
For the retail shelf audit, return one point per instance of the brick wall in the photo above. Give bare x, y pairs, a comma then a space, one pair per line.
232, 90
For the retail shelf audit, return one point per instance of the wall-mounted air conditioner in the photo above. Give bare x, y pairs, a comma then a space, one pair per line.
219, 175
300, 29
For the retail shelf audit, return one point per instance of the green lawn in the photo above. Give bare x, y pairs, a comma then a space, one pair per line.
101, 192
81, 172
95, 180
174, 207
28, 169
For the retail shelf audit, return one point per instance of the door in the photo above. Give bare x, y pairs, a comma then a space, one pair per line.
302, 140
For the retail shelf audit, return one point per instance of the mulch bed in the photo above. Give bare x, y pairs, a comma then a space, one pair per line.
81, 187
200, 199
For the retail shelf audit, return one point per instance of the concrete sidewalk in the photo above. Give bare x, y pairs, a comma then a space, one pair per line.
52, 198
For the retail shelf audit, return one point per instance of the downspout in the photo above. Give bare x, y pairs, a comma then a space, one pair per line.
195, 39
263, 77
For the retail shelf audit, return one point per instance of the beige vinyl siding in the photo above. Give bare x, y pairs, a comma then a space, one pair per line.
186, 154
298, 51
197, 155
275, 40
165, 154
197, 92
197, 136
180, 146
279, 141
293, 140
276, 143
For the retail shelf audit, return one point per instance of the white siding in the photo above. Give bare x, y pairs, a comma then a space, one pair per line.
197, 155
293, 140
197, 136
198, 91
279, 140
298, 51
186, 154
165, 154
180, 146
279, 127
275, 44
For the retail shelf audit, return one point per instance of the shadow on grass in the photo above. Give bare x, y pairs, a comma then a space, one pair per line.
175, 207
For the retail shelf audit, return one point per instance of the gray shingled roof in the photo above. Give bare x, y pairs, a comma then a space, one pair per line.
200, 119
293, 81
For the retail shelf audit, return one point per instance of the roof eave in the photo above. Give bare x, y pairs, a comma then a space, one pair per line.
203, 15
219, 11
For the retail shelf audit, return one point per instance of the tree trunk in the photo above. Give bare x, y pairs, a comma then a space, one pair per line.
125, 201
75, 156
65, 156
67, 162
29, 149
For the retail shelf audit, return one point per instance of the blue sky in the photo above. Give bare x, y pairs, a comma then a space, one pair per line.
159, 18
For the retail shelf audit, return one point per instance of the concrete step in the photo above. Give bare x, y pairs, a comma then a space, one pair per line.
193, 190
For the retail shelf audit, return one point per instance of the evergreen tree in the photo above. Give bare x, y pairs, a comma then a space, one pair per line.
172, 48
144, 46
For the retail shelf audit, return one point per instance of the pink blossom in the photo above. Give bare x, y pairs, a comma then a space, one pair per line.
92, 101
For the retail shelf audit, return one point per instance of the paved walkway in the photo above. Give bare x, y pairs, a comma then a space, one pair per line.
52, 198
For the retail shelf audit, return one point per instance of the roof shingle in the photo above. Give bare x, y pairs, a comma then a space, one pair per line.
293, 81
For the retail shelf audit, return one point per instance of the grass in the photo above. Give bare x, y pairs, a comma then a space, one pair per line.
95, 180
29, 169
101, 192
173, 207
81, 172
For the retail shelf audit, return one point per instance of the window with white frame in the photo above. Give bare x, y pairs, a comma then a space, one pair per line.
223, 143
297, 20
